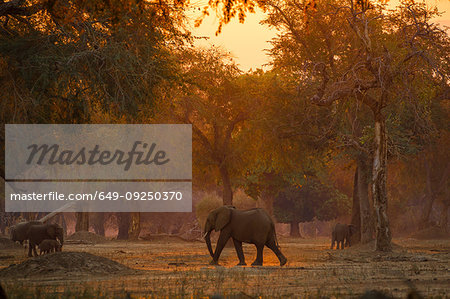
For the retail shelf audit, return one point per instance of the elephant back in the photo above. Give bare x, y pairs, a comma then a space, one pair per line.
19, 231
38, 233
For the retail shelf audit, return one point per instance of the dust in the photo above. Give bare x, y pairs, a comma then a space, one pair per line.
84, 237
166, 238
365, 253
430, 233
179, 269
6, 243
371, 246
64, 264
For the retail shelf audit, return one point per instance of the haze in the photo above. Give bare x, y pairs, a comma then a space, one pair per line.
247, 42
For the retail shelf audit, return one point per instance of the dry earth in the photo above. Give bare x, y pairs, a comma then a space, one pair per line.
176, 268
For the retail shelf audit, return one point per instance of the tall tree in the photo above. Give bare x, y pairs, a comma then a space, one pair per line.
71, 61
302, 203
213, 102
363, 53
287, 138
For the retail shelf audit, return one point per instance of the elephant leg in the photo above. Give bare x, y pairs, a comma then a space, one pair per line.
273, 246
34, 250
332, 243
30, 249
240, 252
223, 238
259, 255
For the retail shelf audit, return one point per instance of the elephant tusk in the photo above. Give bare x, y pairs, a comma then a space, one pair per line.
204, 235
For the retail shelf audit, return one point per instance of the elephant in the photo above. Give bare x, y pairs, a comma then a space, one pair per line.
48, 246
19, 231
342, 234
2, 293
252, 226
38, 233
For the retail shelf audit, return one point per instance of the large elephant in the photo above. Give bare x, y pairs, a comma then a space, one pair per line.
341, 234
19, 231
38, 233
250, 226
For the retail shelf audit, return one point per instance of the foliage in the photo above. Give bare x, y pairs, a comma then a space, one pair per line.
366, 59
313, 199
208, 203
61, 58
286, 134
242, 201
319, 37
214, 101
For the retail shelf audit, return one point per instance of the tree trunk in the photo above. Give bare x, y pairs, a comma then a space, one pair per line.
82, 221
135, 226
267, 198
443, 221
123, 220
2, 222
295, 231
99, 223
60, 219
356, 214
380, 201
429, 198
227, 195
363, 195
30, 216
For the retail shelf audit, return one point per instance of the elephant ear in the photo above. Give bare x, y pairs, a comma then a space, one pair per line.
51, 230
223, 217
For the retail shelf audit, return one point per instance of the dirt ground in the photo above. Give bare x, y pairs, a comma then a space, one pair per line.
175, 268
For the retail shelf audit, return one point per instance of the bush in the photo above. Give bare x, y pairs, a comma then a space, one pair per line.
211, 201
243, 201
208, 203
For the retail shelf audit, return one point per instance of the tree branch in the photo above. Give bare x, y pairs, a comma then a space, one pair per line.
15, 8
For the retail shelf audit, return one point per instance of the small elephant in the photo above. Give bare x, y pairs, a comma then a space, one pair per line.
39, 233
250, 226
341, 234
19, 231
48, 246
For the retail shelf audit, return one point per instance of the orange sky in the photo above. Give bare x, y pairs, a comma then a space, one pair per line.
247, 41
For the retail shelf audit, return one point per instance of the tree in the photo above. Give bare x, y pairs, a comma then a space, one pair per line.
98, 223
213, 102
129, 225
71, 62
82, 223
362, 53
284, 140
302, 203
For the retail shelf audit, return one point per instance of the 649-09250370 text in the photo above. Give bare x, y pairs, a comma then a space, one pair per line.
100, 195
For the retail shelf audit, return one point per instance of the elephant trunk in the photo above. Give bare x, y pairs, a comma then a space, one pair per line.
61, 240
208, 243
